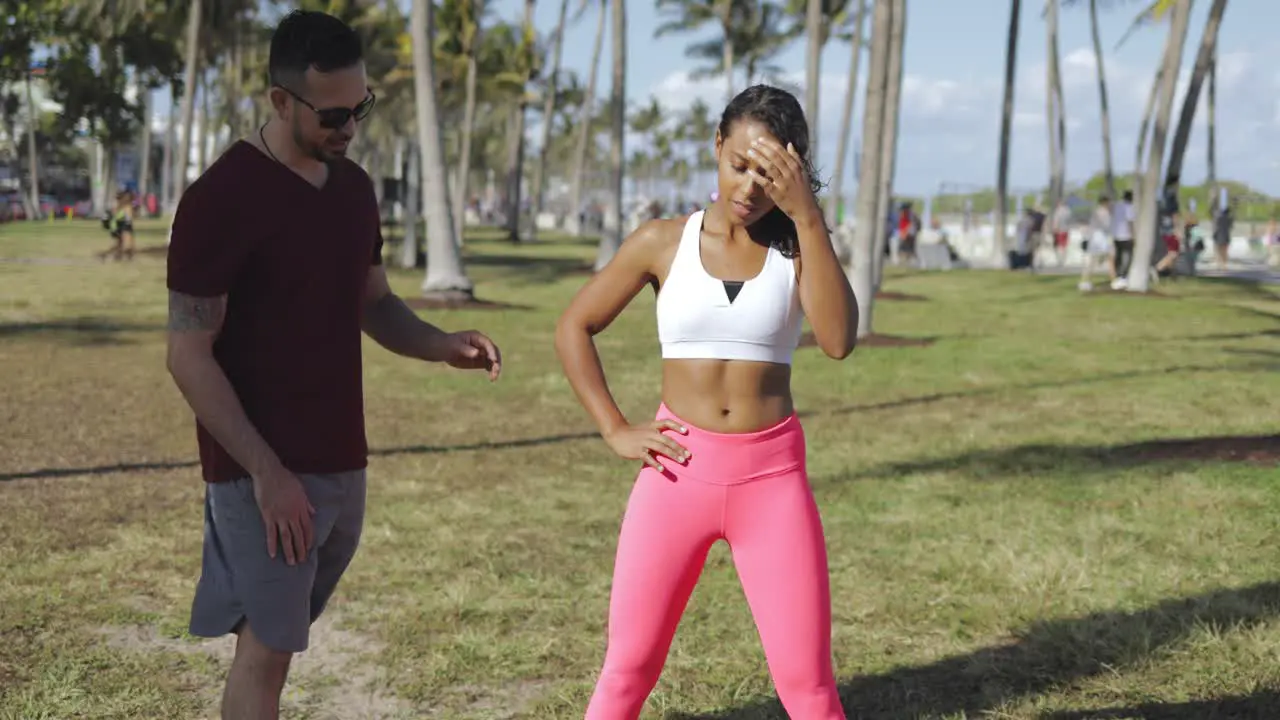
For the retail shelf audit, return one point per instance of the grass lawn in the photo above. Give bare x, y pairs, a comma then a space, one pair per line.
1064, 507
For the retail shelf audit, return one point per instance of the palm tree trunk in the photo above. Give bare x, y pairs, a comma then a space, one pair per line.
462, 183
98, 171
889, 140
1145, 232
869, 225
33, 162
846, 119
234, 89
1190, 101
108, 178
445, 277
1144, 131
812, 69
611, 239
1107, 170
548, 117
166, 161
1213, 124
412, 213
1060, 180
726, 51
191, 75
585, 133
1006, 134
206, 122
1052, 109
515, 171
144, 173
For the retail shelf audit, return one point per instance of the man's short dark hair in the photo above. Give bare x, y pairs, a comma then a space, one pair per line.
307, 39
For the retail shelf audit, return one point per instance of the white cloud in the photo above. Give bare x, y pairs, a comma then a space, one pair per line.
950, 127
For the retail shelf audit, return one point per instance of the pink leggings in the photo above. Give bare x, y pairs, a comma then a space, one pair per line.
751, 490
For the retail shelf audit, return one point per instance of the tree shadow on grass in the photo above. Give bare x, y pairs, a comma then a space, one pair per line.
989, 391
1045, 655
1262, 705
1050, 458
82, 330
1254, 284
107, 469
112, 468
532, 269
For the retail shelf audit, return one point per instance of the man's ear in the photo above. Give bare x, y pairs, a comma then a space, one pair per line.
279, 100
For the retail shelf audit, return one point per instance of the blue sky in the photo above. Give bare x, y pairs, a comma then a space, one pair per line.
954, 70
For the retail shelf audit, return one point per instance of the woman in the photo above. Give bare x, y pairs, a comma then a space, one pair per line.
122, 232
725, 456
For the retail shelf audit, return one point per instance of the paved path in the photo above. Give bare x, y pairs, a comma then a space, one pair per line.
1250, 270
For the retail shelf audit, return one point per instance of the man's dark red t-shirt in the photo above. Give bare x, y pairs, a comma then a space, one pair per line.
293, 261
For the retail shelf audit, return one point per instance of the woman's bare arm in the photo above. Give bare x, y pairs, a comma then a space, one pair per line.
825, 293
595, 307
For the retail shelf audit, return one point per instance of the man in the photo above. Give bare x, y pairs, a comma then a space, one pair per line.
1122, 219
1026, 235
274, 271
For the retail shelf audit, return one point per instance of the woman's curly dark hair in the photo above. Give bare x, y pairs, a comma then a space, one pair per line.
780, 112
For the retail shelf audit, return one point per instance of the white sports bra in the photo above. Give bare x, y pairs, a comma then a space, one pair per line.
702, 317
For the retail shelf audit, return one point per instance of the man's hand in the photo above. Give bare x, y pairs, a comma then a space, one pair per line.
471, 350
286, 513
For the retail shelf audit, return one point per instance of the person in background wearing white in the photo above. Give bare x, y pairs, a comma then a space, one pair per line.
1097, 244
1122, 219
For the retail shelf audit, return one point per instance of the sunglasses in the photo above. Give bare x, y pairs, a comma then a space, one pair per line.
336, 118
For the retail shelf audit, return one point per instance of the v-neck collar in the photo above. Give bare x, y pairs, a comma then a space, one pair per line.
328, 182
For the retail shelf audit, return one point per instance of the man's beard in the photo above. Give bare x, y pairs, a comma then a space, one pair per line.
314, 150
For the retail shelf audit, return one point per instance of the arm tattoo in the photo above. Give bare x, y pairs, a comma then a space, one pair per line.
195, 313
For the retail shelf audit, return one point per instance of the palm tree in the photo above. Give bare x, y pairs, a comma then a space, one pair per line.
445, 277
1151, 13
33, 164
586, 132
889, 140
820, 18
1211, 179
1006, 131
1054, 110
466, 18
611, 239
846, 120
194, 15
1204, 63
515, 168
1108, 170
758, 35
549, 92
690, 15
647, 122
869, 225
814, 42
700, 132
1145, 231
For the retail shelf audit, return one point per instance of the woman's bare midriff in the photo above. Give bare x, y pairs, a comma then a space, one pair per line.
727, 396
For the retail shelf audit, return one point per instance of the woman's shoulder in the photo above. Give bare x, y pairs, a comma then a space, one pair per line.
658, 235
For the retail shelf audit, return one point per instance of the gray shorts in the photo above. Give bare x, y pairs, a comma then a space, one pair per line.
239, 581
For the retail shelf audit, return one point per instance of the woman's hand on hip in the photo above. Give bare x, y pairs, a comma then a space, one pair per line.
646, 442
